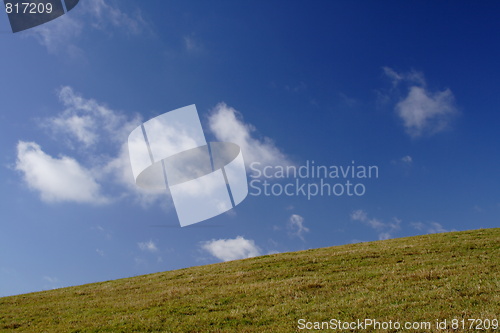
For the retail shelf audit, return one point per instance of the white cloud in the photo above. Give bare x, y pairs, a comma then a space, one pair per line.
426, 113
384, 236
93, 130
404, 164
411, 77
430, 228
227, 125
231, 249
407, 159
296, 226
148, 246
118, 170
423, 112
359, 215
418, 225
56, 179
436, 228
79, 126
385, 229
57, 35
87, 121
375, 224
393, 75
103, 14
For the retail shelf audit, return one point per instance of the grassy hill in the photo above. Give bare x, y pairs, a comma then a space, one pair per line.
417, 279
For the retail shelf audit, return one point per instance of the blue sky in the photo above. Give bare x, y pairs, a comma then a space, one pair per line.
411, 88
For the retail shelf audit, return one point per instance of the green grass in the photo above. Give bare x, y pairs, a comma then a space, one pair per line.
441, 276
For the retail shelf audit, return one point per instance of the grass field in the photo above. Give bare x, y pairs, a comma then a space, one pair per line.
416, 280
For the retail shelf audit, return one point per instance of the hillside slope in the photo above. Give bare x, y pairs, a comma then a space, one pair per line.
417, 279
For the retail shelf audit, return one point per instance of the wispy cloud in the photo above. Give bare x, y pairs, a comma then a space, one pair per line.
104, 14
407, 159
385, 229
359, 215
53, 282
62, 34
231, 249
430, 227
104, 232
412, 77
296, 226
149, 246
192, 44
85, 120
58, 35
423, 112
348, 101
227, 124
51, 279
57, 179
404, 164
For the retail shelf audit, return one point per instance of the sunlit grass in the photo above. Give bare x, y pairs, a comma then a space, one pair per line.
424, 278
